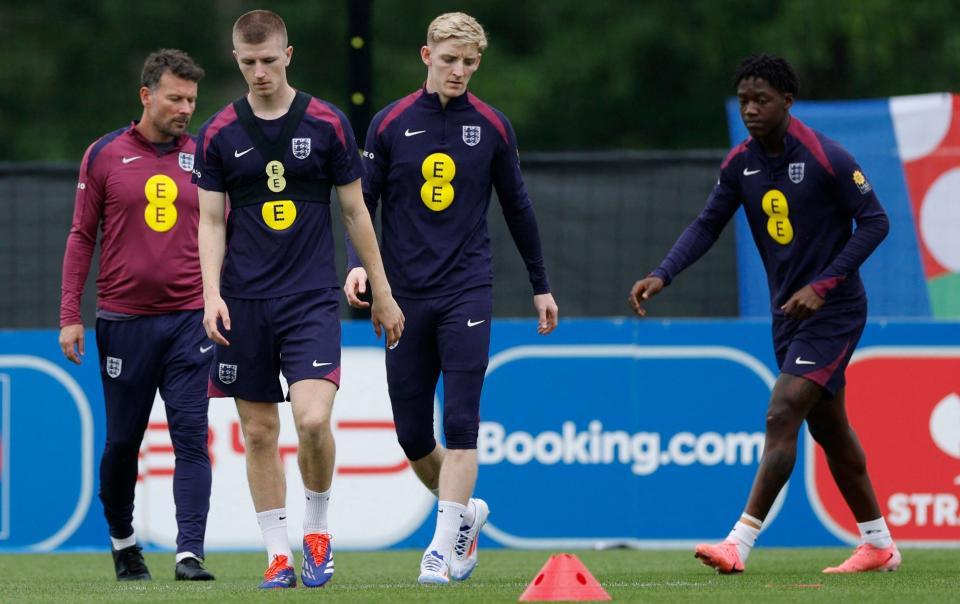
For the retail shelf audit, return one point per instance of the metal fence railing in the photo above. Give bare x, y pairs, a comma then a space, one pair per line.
605, 219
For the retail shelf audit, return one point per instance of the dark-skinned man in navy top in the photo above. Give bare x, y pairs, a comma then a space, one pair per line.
801, 193
432, 159
271, 291
135, 187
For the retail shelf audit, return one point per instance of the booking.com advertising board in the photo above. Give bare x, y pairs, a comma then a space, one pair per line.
605, 433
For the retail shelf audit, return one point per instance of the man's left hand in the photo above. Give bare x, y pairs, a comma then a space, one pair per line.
547, 313
802, 304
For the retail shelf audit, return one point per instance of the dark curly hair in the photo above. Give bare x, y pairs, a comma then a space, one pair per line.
775, 70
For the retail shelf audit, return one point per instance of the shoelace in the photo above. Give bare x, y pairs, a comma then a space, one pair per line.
279, 563
133, 560
317, 544
432, 563
463, 541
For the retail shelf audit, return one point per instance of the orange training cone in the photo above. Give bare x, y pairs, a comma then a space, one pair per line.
564, 577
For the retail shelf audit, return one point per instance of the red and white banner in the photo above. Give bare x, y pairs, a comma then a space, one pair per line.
904, 404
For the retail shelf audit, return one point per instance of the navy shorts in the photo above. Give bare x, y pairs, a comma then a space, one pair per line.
298, 335
449, 335
819, 348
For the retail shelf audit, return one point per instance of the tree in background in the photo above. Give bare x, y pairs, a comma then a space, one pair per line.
573, 75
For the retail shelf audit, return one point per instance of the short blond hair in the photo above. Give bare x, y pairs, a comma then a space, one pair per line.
257, 26
459, 26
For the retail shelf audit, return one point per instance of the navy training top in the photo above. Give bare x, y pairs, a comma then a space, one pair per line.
433, 169
800, 206
279, 240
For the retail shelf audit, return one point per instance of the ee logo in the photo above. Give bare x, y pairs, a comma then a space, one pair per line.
778, 225
275, 180
438, 170
278, 215
160, 213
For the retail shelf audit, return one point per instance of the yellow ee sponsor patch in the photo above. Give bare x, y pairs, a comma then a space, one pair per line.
275, 180
775, 206
161, 193
279, 215
438, 171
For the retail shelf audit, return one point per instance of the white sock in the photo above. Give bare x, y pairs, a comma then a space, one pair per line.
181, 556
470, 513
449, 519
315, 515
119, 544
273, 525
744, 535
876, 533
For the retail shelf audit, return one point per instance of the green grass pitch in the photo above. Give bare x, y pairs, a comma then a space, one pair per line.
773, 575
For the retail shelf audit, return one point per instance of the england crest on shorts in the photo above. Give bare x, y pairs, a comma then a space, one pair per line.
301, 147
114, 366
186, 162
796, 172
471, 135
227, 373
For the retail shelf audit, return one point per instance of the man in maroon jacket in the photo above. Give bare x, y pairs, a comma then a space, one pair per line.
135, 186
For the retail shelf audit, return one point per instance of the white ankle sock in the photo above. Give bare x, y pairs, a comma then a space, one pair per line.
876, 533
449, 518
744, 535
273, 525
119, 544
315, 515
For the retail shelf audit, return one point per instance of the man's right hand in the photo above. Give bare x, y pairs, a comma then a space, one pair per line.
642, 291
355, 285
214, 310
387, 318
71, 342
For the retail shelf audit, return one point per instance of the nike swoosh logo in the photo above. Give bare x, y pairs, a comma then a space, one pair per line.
127, 160
205, 349
750, 172
474, 323
800, 361
316, 364
241, 153
414, 133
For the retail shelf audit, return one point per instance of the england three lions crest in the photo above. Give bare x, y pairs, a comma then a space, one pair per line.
227, 373
796, 172
113, 367
301, 147
471, 135
186, 161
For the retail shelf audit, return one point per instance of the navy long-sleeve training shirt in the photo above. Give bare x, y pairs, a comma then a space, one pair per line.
433, 169
800, 206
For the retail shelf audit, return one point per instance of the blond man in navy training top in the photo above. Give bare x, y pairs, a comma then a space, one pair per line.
432, 159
